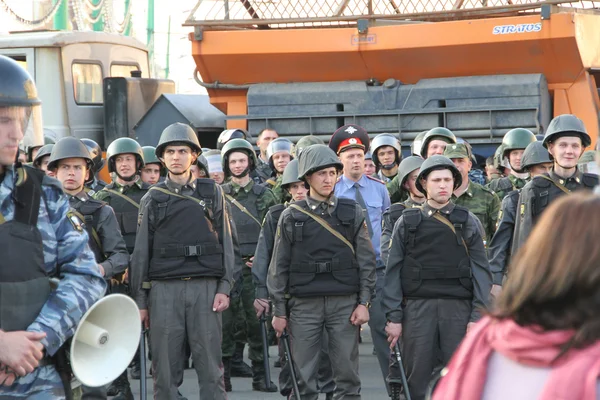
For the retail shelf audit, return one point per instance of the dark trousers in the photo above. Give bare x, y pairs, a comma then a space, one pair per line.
432, 329
377, 323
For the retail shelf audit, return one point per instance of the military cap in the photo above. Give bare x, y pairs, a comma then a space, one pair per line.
349, 137
458, 150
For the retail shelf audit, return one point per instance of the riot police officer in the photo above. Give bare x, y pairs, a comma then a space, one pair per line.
151, 171
437, 276
536, 161
94, 182
407, 178
514, 144
249, 203
279, 154
72, 164
264, 138
38, 242
566, 139
435, 141
182, 268
387, 155
322, 276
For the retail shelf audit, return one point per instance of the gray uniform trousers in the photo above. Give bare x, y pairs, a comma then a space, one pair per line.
308, 318
180, 311
377, 322
427, 323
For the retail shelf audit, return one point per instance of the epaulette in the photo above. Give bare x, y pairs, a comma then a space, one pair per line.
375, 179
485, 188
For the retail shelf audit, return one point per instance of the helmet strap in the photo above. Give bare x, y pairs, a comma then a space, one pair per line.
243, 174
387, 167
128, 179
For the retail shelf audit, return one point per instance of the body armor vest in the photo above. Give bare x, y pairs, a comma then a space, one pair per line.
545, 192
247, 228
322, 265
436, 262
395, 212
276, 211
24, 283
186, 243
127, 213
90, 210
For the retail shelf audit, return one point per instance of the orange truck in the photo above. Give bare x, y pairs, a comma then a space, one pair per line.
478, 67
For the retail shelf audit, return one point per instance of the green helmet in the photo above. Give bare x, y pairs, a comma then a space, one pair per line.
499, 157
304, 142
435, 163
150, 155
407, 166
535, 153
44, 151
438, 133
417, 144
178, 133
202, 163
517, 139
240, 145
382, 140
566, 125
69, 147
124, 145
315, 158
290, 174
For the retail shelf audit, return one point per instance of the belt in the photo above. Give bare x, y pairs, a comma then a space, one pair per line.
440, 273
321, 267
189, 251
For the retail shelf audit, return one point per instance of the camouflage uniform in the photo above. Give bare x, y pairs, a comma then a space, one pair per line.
397, 192
503, 186
80, 286
281, 196
482, 202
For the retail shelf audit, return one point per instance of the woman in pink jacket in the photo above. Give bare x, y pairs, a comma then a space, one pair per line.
542, 341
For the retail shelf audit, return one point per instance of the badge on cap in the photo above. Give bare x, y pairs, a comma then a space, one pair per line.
352, 141
351, 130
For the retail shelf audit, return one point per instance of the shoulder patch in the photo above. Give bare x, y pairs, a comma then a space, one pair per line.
376, 180
75, 221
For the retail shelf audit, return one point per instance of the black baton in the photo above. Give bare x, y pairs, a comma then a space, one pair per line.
402, 372
288, 357
143, 394
265, 343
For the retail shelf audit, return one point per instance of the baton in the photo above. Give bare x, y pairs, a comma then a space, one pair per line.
402, 372
143, 394
288, 357
265, 343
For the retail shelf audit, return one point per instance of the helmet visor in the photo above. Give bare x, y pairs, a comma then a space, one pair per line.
19, 124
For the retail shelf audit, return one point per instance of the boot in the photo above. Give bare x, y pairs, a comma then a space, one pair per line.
116, 385
239, 369
135, 371
124, 389
395, 391
227, 373
259, 379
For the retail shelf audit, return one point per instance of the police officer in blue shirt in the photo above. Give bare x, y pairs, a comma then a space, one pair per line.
351, 142
38, 242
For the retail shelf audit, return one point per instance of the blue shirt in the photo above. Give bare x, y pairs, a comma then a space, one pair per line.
376, 199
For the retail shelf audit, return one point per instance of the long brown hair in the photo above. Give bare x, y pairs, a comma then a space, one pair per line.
554, 280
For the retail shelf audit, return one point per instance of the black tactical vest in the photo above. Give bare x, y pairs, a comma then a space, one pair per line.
394, 213
247, 228
186, 243
276, 211
127, 213
90, 210
436, 263
322, 265
545, 192
24, 283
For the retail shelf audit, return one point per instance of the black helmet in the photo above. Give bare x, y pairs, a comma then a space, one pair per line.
438, 133
44, 151
386, 139
566, 125
407, 166
417, 144
96, 153
150, 155
434, 163
17, 89
290, 174
124, 145
315, 158
69, 147
178, 133
241, 145
535, 153
202, 163
230, 134
304, 142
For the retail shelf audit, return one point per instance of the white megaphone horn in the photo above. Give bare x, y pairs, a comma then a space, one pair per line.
106, 340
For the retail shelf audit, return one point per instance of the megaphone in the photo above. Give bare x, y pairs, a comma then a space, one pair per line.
106, 340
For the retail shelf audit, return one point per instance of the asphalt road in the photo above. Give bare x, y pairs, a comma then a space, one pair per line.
370, 374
